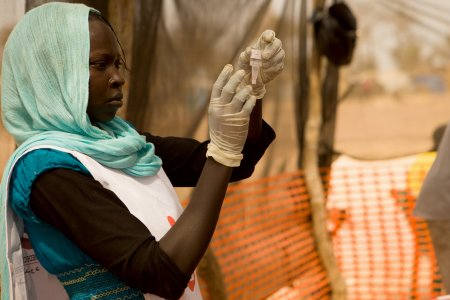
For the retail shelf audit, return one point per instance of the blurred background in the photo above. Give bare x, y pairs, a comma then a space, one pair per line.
384, 108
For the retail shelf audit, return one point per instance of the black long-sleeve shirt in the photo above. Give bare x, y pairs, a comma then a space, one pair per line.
105, 229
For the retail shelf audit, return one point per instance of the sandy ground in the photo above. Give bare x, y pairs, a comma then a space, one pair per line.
388, 127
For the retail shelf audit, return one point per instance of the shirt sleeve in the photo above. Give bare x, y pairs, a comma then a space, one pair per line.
183, 158
100, 224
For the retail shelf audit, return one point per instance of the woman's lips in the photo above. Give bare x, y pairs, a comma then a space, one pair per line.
115, 103
116, 100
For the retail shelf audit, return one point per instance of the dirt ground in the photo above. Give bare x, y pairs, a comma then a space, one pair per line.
389, 126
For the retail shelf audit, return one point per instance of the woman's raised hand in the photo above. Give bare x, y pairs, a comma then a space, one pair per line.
272, 62
229, 115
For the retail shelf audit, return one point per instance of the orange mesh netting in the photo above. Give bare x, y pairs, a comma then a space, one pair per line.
265, 248
264, 241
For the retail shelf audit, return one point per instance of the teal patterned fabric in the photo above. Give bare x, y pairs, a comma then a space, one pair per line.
92, 281
53, 249
81, 276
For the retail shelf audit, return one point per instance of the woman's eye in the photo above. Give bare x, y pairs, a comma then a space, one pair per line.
98, 65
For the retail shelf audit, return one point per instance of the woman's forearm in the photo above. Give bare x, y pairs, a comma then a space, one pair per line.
255, 126
186, 242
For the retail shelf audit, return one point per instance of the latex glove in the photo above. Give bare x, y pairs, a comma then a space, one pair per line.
272, 57
228, 116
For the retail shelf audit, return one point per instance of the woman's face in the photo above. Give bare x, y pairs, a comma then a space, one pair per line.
105, 74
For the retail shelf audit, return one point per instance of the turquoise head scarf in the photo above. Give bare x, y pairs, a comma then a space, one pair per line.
45, 92
45, 78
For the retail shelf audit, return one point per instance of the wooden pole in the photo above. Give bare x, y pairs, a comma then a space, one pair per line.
329, 109
302, 92
312, 174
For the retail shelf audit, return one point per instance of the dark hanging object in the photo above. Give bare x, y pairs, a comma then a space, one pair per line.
335, 33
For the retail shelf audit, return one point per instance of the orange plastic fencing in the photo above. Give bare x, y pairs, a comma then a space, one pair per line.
264, 242
265, 247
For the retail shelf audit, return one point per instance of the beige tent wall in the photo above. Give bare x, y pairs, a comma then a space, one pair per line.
10, 13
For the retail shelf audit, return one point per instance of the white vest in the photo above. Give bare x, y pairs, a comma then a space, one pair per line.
151, 199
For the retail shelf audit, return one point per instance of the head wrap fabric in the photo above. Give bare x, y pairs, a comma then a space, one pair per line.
45, 90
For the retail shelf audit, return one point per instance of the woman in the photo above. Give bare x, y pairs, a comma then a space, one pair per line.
94, 197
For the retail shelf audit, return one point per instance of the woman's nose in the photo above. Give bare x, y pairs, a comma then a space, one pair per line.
117, 79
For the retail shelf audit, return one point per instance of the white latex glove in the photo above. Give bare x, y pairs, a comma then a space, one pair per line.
272, 56
229, 116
